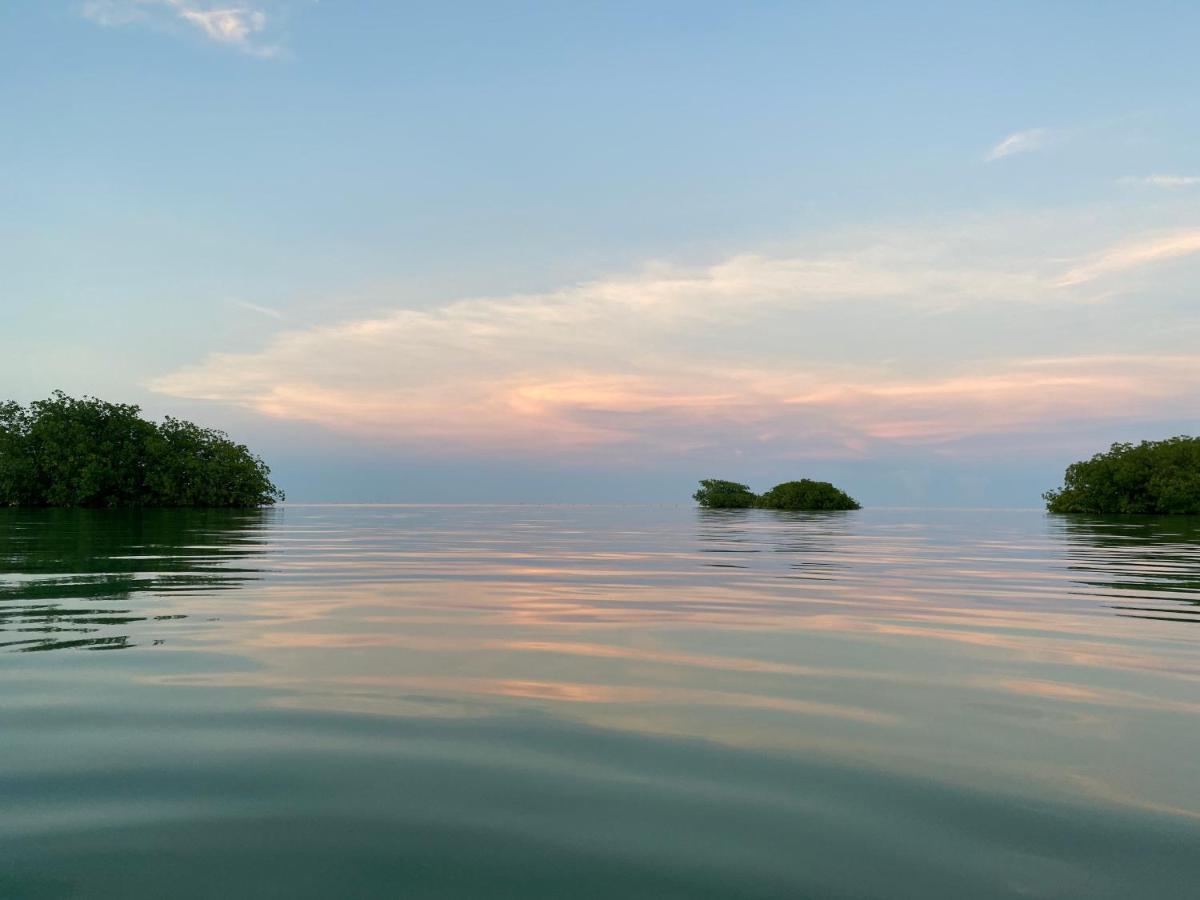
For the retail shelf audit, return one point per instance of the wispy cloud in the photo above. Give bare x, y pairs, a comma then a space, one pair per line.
113, 12
1162, 181
1134, 254
242, 27
234, 26
833, 353
268, 311
1020, 142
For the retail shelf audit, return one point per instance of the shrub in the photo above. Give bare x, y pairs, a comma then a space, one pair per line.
717, 494
806, 494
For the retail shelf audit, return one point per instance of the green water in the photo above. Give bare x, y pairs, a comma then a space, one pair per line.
598, 702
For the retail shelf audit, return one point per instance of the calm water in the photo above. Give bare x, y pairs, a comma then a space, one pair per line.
598, 702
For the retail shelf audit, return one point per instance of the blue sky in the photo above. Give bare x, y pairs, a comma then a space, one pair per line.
597, 251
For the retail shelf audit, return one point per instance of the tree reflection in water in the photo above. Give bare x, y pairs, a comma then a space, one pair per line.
1149, 567
68, 577
808, 541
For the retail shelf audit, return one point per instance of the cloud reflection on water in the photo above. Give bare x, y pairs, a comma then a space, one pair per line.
951, 645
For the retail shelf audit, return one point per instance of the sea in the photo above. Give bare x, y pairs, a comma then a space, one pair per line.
598, 702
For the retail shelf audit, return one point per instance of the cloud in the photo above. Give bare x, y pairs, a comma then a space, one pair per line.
1020, 142
236, 26
1134, 254
113, 12
837, 353
261, 310
1163, 181
229, 26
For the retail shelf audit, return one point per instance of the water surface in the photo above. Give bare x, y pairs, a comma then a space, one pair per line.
598, 702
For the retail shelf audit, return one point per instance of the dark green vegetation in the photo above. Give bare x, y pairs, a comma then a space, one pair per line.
806, 494
1153, 477
717, 494
67, 452
803, 494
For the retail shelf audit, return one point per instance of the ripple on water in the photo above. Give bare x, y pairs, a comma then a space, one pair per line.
621, 701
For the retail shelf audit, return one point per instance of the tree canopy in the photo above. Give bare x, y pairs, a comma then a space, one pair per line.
1160, 477
807, 494
717, 494
803, 494
67, 452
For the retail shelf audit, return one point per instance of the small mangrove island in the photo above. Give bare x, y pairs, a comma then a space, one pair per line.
804, 494
1153, 477
67, 452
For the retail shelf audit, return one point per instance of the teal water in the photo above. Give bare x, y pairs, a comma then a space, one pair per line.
582, 702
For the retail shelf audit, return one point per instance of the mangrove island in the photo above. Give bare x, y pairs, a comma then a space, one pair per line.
67, 452
804, 494
1153, 477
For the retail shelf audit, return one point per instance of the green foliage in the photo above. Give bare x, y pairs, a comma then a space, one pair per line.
67, 452
806, 494
802, 494
1153, 477
717, 494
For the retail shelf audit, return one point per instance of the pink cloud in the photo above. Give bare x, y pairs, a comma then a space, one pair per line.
675, 361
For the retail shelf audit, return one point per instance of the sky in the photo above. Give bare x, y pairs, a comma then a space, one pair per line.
593, 252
